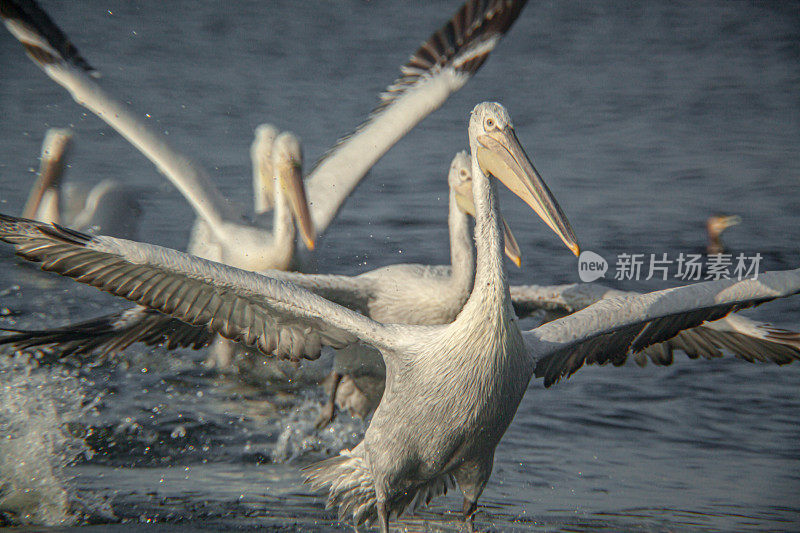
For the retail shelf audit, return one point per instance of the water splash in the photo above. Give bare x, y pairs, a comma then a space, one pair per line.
300, 438
39, 438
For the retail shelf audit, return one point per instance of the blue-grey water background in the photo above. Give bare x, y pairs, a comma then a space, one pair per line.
644, 117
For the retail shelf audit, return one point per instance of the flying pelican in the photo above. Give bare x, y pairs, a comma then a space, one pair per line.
107, 208
429, 295
441, 66
715, 225
452, 389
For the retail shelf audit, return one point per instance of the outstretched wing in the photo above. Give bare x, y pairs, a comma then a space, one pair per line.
110, 334
613, 329
747, 339
273, 316
49, 48
441, 66
39, 35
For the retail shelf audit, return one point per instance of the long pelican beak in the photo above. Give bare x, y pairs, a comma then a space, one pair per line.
512, 248
466, 203
291, 180
54, 150
500, 154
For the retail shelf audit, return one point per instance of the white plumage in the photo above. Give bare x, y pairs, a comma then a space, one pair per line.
440, 67
452, 389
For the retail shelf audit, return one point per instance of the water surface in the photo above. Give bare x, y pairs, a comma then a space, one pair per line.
644, 118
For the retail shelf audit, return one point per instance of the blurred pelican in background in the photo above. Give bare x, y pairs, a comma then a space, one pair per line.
441, 66
108, 208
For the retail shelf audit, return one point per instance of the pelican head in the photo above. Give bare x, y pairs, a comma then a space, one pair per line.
263, 175
54, 150
460, 181
287, 162
500, 154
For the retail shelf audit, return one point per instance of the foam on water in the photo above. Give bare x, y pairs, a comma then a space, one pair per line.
39, 415
300, 438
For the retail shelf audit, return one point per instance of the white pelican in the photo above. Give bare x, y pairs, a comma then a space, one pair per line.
452, 389
429, 295
715, 225
107, 208
358, 379
441, 66
277, 179
44, 199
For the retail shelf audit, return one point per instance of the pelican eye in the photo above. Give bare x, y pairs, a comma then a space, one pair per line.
490, 123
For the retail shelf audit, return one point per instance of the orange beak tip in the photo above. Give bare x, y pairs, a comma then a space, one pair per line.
575, 249
517, 261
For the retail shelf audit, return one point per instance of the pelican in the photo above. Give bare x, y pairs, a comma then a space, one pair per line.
441, 66
451, 389
357, 382
715, 225
277, 180
429, 295
44, 198
107, 208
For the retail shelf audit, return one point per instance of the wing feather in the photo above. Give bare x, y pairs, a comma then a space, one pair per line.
611, 330
108, 335
745, 338
440, 67
42, 39
50, 49
290, 320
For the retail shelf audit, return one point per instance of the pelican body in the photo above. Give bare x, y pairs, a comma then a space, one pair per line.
451, 389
